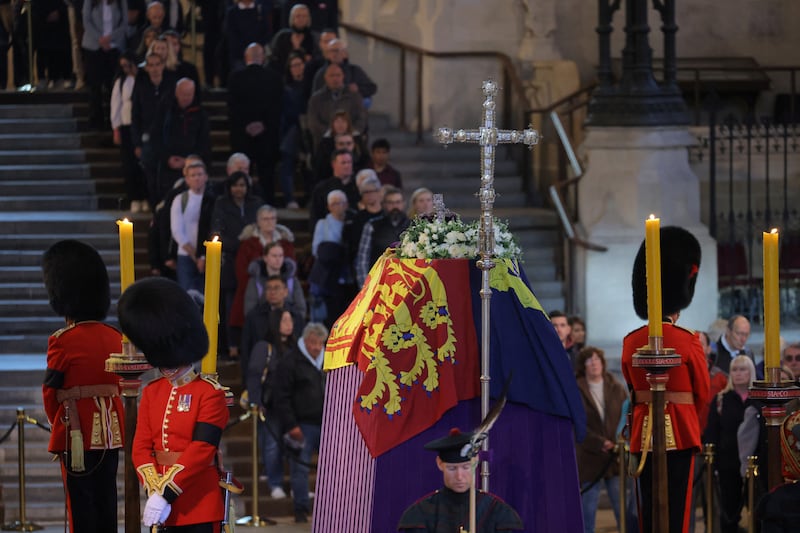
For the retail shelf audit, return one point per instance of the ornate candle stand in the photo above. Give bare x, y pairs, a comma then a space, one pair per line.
657, 361
774, 393
129, 365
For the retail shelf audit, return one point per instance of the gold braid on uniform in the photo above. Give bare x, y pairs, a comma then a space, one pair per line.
155, 483
647, 439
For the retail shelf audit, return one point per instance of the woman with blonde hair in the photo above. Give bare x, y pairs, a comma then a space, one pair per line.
421, 202
724, 418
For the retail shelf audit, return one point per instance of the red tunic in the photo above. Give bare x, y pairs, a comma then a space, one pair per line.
76, 356
690, 376
187, 419
249, 250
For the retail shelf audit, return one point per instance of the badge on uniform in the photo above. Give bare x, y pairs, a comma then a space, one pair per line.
184, 403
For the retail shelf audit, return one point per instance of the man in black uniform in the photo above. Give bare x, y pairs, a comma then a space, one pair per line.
447, 509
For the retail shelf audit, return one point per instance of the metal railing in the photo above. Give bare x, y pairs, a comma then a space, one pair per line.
511, 83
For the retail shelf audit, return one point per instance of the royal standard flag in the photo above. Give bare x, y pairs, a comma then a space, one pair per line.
413, 332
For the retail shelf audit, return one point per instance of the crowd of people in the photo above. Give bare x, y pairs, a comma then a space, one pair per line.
298, 114
730, 420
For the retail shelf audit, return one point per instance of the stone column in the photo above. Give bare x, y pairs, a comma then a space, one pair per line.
631, 173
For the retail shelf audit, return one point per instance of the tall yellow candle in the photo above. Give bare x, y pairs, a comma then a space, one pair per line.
653, 261
126, 273
772, 309
211, 305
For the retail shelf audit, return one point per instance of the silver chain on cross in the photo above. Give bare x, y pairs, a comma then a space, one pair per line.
488, 136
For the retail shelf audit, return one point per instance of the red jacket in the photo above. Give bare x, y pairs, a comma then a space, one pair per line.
185, 419
76, 356
691, 376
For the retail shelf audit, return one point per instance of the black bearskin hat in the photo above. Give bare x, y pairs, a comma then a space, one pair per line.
680, 262
76, 280
163, 321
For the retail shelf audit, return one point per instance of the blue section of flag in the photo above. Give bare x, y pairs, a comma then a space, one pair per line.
524, 341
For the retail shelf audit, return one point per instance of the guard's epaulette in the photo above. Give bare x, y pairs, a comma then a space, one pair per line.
63, 330
687, 330
635, 330
212, 381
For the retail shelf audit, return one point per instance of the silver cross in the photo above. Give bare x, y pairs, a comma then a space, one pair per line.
488, 136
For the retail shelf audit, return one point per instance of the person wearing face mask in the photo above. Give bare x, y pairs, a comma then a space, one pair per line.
181, 414
447, 509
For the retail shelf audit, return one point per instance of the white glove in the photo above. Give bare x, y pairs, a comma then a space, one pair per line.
156, 510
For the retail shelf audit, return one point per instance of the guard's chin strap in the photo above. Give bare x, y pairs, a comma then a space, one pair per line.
647, 442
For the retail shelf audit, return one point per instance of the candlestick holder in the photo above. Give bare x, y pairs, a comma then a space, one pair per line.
129, 364
657, 360
774, 393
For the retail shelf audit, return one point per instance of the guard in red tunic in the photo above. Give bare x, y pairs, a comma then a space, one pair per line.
80, 398
181, 415
688, 385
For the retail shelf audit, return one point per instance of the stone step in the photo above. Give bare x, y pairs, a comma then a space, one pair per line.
40, 157
465, 166
44, 172
34, 125
548, 304
40, 141
15, 326
23, 343
46, 203
19, 395
22, 309
22, 290
39, 242
64, 222
47, 187
33, 258
35, 111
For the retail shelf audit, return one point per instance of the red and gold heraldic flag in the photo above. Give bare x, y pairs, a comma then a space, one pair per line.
411, 331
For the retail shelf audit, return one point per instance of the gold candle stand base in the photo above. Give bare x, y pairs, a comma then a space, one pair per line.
774, 393
657, 360
130, 364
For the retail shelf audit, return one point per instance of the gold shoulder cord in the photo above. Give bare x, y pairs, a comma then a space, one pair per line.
648, 437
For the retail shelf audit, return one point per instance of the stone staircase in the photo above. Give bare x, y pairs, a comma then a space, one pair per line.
58, 180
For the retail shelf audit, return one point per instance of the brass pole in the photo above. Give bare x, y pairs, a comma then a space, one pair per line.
130, 402
708, 458
30, 45
22, 524
253, 520
658, 386
193, 23
774, 416
622, 453
752, 472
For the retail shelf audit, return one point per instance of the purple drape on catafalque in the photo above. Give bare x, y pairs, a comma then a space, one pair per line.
346, 472
532, 456
532, 464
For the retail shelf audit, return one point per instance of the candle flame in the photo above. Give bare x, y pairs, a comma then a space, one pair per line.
652, 216
774, 231
215, 239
